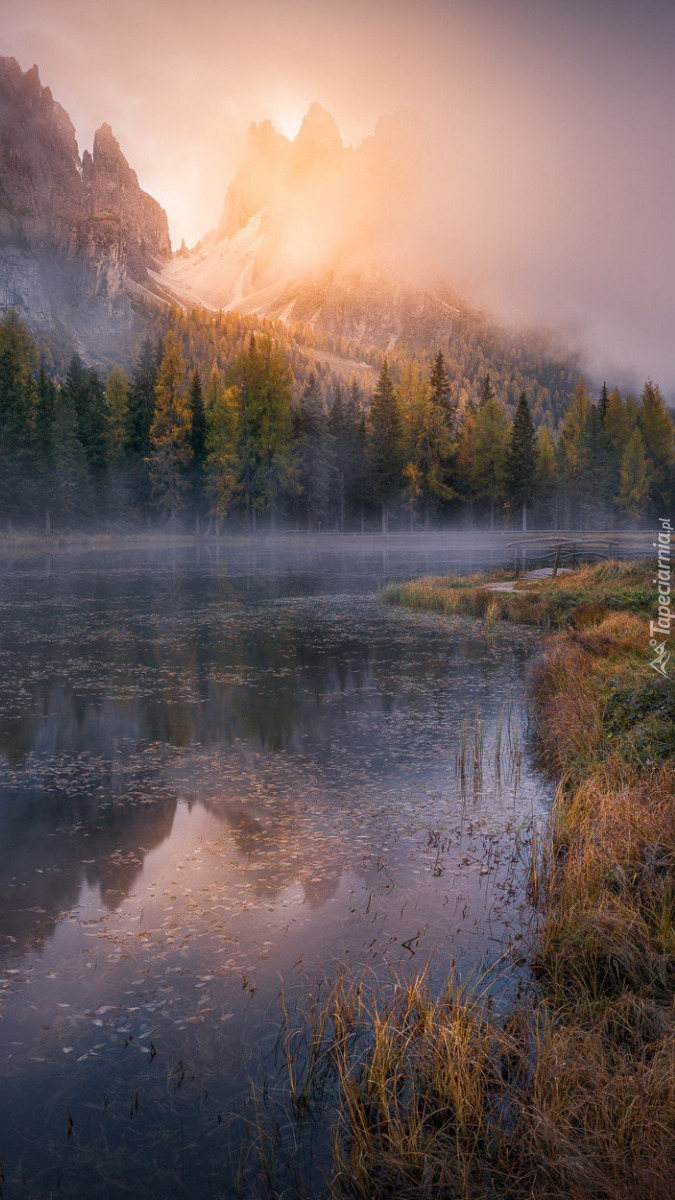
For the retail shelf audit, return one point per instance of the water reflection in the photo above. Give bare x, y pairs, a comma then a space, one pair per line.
213, 776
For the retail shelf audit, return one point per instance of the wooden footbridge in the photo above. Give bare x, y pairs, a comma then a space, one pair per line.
556, 550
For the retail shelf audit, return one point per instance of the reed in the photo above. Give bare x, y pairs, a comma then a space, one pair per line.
571, 1095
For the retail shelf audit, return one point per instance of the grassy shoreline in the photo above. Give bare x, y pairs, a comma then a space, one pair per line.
580, 598
572, 1095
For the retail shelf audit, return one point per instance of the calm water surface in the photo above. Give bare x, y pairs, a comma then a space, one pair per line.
221, 778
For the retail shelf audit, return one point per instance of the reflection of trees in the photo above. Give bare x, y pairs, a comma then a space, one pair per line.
115, 669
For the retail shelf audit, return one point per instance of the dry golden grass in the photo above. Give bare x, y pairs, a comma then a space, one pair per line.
573, 1097
582, 597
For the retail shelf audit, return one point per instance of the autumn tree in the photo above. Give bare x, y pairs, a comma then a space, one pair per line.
222, 436
572, 450
169, 446
263, 377
634, 479
428, 447
489, 449
117, 411
545, 475
656, 426
18, 355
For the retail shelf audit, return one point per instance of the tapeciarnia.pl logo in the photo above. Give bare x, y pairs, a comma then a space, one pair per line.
659, 630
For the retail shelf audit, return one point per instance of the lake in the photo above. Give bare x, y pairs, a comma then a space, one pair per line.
226, 775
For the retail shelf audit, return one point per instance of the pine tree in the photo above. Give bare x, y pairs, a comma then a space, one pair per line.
71, 483
488, 393
521, 459
142, 401
86, 392
169, 451
197, 437
384, 445
45, 413
595, 475
312, 452
440, 391
356, 464
604, 401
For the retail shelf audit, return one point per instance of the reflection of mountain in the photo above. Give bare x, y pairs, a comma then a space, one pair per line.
67, 829
122, 696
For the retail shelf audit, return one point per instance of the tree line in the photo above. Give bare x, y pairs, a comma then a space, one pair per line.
247, 442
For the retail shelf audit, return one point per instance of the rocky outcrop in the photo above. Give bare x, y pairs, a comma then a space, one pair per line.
76, 235
310, 234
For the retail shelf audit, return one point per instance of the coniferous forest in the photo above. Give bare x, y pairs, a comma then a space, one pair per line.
234, 427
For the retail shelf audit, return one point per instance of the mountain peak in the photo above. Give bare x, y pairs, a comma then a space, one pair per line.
318, 137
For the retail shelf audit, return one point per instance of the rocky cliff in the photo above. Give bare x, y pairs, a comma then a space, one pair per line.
311, 233
77, 236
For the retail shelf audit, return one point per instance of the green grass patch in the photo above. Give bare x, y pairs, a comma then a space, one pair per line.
582, 597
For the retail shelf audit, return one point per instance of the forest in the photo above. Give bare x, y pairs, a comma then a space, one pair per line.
223, 426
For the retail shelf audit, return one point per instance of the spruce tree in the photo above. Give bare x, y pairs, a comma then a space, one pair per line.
45, 413
141, 408
488, 393
521, 459
197, 436
71, 490
384, 446
604, 401
312, 452
440, 390
85, 389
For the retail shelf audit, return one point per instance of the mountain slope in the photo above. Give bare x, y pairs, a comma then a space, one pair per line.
310, 233
77, 236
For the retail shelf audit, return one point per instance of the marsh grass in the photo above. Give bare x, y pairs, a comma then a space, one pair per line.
582, 598
571, 1095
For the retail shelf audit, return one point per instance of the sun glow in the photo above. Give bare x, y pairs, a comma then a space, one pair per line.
288, 119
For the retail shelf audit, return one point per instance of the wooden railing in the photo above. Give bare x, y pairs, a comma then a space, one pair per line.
561, 550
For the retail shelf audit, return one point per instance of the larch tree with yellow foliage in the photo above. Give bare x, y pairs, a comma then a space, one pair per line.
169, 445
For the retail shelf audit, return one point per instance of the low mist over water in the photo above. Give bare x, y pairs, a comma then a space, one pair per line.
219, 779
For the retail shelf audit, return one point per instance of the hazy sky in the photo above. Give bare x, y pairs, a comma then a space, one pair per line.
546, 131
